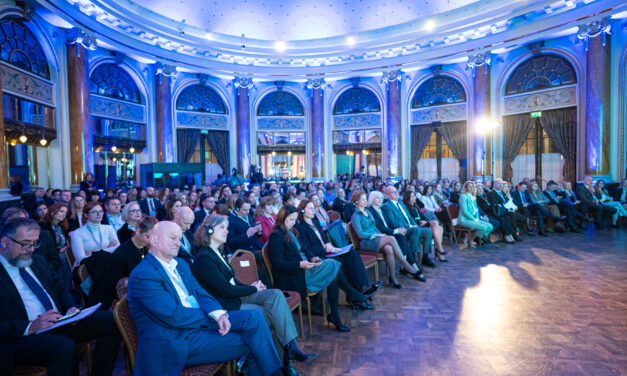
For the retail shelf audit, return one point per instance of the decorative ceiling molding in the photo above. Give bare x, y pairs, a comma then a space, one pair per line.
493, 23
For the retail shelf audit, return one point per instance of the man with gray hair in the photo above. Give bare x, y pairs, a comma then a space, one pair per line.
184, 217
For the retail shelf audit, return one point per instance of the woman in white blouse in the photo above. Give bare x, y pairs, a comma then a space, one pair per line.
93, 236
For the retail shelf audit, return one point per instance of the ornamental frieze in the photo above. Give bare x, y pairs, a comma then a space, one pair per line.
26, 86
544, 100
201, 120
357, 121
281, 123
114, 109
456, 112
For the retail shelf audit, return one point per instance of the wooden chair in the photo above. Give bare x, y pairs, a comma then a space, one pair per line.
121, 287
453, 213
126, 326
266, 260
83, 274
69, 256
333, 215
29, 371
245, 268
354, 239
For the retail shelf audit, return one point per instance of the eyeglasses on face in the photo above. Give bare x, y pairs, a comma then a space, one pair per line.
133, 211
26, 246
96, 212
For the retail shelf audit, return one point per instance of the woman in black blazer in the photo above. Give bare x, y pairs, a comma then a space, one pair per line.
293, 271
352, 275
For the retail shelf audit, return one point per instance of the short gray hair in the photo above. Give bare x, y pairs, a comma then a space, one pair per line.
373, 195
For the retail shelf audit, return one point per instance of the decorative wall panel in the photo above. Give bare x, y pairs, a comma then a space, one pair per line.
114, 109
24, 85
357, 121
426, 115
538, 101
280, 123
201, 120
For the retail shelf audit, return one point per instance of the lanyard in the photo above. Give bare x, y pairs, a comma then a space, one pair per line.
94, 235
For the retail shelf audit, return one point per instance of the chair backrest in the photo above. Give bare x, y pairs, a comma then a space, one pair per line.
333, 215
126, 326
244, 266
337, 234
352, 236
121, 287
83, 273
453, 211
69, 256
266, 260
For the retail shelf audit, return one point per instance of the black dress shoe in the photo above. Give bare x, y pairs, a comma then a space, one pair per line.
292, 352
419, 276
375, 286
362, 305
338, 324
395, 285
426, 261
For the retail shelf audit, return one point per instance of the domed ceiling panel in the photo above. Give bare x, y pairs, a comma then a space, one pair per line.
294, 19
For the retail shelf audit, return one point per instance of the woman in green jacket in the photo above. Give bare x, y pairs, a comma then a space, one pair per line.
469, 212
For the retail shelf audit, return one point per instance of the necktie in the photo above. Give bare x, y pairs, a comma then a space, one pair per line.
404, 214
151, 205
522, 197
622, 196
36, 289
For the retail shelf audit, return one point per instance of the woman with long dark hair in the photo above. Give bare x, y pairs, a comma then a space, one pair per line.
293, 270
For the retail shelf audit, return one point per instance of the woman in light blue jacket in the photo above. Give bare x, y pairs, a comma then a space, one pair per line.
469, 212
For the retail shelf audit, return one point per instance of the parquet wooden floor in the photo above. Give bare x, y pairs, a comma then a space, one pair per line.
545, 306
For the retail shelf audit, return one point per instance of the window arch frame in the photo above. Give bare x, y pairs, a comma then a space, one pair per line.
346, 92
457, 84
193, 86
268, 96
122, 72
43, 64
517, 70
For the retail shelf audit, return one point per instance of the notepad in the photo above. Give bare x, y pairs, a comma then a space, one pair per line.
342, 251
81, 315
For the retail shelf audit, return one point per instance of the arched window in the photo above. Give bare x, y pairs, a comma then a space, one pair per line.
111, 81
280, 103
437, 91
356, 100
541, 72
200, 98
19, 47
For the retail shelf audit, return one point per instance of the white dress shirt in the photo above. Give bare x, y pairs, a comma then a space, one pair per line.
179, 286
232, 281
115, 221
429, 203
33, 306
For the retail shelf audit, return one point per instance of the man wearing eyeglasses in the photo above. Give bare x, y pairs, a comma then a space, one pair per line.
33, 298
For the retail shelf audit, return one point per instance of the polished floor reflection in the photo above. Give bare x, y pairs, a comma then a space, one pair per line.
546, 306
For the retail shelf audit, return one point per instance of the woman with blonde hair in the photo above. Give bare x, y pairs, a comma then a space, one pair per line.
469, 212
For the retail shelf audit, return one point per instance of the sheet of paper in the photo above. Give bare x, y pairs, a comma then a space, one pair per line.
84, 313
342, 251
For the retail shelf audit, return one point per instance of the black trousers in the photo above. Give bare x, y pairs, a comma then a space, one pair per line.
57, 350
353, 269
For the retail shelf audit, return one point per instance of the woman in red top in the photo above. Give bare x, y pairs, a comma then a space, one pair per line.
266, 217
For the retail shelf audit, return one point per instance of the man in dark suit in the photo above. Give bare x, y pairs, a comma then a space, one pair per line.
243, 230
179, 324
112, 215
184, 217
528, 208
32, 200
207, 203
585, 193
150, 204
34, 298
397, 216
497, 201
620, 194
566, 208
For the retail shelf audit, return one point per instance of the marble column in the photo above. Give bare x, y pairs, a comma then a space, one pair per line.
481, 110
4, 168
81, 132
243, 127
317, 131
597, 139
394, 122
163, 103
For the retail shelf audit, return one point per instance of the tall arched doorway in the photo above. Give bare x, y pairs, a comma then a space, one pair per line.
281, 136
438, 116
357, 122
202, 131
540, 120
118, 117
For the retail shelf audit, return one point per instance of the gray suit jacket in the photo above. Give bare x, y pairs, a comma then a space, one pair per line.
394, 217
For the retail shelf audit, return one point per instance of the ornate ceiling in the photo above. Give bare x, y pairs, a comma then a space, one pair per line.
294, 39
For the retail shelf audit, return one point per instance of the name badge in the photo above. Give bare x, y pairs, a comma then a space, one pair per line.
323, 223
192, 301
244, 264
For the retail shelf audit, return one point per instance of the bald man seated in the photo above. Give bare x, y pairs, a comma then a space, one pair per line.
185, 217
180, 325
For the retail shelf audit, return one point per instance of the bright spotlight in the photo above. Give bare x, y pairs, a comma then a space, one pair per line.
350, 40
430, 25
280, 45
486, 125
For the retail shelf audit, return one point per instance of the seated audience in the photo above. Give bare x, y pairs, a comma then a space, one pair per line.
112, 215
536, 196
620, 194
339, 203
409, 200
469, 213
149, 204
606, 200
89, 184
75, 214
352, 275
55, 222
207, 203
93, 237
131, 215
216, 276
180, 325
528, 208
566, 208
589, 203
265, 217
372, 240
35, 198
292, 270
34, 298
455, 193
40, 211
243, 232
496, 215
321, 214
184, 217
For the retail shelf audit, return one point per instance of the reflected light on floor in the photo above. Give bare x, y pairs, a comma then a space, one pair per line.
485, 306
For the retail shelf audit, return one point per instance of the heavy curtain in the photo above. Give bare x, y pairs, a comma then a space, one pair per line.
454, 133
561, 127
219, 143
186, 143
515, 131
420, 135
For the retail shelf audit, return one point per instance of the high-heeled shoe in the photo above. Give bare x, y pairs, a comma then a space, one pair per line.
395, 285
364, 305
375, 286
440, 257
338, 324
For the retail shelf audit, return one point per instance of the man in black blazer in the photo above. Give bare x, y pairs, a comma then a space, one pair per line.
31, 201
33, 298
522, 199
620, 194
566, 208
243, 230
590, 203
184, 217
497, 201
207, 203
150, 204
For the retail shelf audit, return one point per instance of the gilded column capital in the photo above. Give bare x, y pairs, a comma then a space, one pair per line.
77, 35
593, 29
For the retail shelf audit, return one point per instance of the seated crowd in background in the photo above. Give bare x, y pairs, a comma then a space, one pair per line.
183, 238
